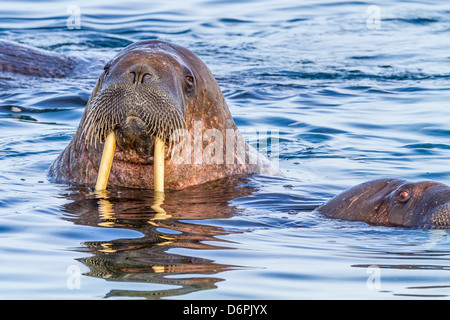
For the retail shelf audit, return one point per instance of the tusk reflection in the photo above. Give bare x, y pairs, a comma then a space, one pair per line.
105, 209
161, 214
143, 230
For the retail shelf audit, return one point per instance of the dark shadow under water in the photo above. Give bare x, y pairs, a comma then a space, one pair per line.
163, 226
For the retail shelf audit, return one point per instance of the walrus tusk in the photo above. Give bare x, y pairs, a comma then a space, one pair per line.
158, 165
106, 162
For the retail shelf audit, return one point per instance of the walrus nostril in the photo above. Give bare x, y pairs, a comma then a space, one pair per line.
133, 77
139, 74
146, 77
140, 78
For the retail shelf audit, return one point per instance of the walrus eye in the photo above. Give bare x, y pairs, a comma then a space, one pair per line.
190, 82
403, 196
106, 68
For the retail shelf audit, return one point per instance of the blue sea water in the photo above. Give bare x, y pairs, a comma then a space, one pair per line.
356, 90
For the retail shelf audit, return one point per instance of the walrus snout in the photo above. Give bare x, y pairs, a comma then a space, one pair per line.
134, 113
134, 143
140, 99
440, 216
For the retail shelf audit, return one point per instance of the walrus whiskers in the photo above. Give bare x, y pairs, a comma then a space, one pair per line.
113, 104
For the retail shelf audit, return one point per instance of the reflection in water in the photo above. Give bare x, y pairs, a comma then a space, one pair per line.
163, 223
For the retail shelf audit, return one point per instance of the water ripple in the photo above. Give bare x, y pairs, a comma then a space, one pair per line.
349, 104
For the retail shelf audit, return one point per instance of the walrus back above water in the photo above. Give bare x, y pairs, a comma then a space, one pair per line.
158, 89
17, 58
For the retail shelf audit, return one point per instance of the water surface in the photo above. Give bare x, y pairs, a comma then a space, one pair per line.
351, 102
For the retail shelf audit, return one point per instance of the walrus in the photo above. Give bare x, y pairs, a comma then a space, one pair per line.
18, 58
157, 91
393, 202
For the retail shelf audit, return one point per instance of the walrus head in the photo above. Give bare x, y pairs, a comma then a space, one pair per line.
152, 89
393, 202
141, 94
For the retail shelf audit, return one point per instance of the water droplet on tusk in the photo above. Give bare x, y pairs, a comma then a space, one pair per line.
106, 162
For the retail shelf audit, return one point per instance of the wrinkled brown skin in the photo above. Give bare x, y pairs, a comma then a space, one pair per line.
393, 202
79, 162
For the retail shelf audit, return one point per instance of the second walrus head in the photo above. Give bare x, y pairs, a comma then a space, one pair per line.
393, 202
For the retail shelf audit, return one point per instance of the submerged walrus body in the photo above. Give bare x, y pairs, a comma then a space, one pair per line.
393, 202
157, 89
17, 58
